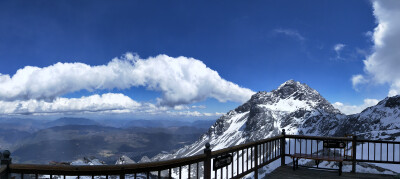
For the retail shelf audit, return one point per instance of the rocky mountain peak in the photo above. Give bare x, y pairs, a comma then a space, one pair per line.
393, 102
296, 89
291, 95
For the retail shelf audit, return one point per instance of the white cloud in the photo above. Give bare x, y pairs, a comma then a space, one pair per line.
181, 80
199, 106
353, 109
181, 107
109, 103
358, 80
290, 32
94, 103
338, 48
383, 65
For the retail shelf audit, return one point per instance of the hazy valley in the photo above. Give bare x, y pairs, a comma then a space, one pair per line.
68, 139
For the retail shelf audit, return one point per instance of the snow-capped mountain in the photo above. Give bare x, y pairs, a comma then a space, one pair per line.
298, 109
124, 160
87, 161
379, 122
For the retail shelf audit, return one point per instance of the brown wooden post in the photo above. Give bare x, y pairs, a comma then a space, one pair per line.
283, 151
5, 160
255, 160
207, 162
354, 154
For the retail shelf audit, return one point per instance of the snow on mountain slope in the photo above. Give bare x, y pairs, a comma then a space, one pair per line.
294, 107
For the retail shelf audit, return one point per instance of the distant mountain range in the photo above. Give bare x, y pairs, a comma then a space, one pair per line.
67, 139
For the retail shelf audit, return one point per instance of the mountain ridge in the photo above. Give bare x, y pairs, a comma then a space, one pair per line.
298, 109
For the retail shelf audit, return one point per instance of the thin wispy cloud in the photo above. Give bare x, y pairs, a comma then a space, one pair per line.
290, 32
338, 49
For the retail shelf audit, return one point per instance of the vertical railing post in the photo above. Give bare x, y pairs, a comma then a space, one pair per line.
207, 162
256, 161
283, 141
354, 154
5, 160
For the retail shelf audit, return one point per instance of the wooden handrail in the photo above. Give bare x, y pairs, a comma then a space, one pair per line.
104, 169
257, 150
318, 137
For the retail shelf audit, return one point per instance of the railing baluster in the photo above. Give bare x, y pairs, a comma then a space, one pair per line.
237, 159
374, 151
197, 170
393, 152
311, 147
221, 173
215, 174
270, 151
159, 174
317, 148
227, 172
306, 147
265, 151
251, 157
381, 152
232, 164
169, 173
276, 147
247, 159
189, 171
300, 146
242, 161
289, 146
362, 150
387, 151
180, 172
368, 150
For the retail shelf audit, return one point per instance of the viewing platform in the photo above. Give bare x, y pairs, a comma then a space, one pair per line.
239, 161
311, 173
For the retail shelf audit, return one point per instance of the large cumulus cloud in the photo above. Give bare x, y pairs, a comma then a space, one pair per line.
180, 80
383, 65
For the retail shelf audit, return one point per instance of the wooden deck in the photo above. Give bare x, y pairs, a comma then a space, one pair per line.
305, 173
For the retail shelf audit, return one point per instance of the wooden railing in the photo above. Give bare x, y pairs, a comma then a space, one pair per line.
246, 158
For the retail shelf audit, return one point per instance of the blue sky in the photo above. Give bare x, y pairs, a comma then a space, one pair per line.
329, 45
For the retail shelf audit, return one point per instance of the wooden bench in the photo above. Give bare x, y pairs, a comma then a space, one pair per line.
327, 154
